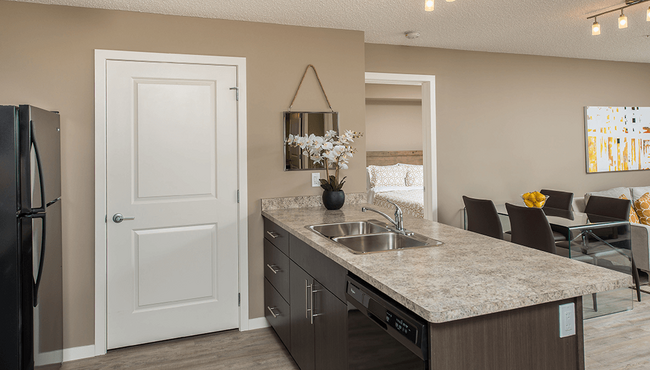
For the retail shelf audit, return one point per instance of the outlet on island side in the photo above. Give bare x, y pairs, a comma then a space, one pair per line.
315, 179
567, 320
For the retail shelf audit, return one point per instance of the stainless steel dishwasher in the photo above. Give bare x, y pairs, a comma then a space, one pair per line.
383, 334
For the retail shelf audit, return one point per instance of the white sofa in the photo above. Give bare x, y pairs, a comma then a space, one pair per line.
640, 233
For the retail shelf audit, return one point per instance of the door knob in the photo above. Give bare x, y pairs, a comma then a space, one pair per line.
118, 217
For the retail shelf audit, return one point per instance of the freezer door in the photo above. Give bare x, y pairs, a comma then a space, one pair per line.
40, 158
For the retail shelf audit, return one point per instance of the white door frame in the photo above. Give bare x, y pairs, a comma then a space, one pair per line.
101, 58
428, 84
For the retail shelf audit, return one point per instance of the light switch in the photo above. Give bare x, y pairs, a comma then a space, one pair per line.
567, 320
315, 179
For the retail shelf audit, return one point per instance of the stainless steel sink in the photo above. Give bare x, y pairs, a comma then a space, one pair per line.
349, 228
384, 242
371, 236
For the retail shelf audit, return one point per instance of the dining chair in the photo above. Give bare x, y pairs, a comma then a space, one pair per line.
482, 217
529, 227
609, 207
558, 199
559, 203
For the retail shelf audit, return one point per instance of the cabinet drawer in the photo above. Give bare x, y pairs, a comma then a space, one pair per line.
276, 269
276, 235
328, 273
277, 312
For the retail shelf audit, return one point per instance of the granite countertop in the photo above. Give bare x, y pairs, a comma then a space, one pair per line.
469, 275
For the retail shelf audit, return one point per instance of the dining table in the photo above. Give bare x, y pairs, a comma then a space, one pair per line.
594, 239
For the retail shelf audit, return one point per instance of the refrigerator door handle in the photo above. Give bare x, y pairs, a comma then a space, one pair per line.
40, 173
37, 283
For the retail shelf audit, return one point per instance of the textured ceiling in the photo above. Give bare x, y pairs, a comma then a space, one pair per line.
546, 27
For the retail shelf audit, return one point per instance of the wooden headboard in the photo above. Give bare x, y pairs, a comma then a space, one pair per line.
387, 158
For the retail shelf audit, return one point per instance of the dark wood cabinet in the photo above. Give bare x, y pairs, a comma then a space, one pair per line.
315, 299
330, 331
302, 330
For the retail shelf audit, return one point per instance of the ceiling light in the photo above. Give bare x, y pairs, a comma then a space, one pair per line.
428, 5
450, 1
622, 20
595, 28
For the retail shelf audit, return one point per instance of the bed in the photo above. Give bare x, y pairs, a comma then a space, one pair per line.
396, 176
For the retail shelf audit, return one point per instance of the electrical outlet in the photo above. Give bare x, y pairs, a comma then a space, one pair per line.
567, 320
315, 179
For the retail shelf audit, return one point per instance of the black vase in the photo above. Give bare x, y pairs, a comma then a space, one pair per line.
333, 199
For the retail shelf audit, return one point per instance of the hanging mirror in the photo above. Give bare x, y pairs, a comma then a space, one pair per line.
301, 124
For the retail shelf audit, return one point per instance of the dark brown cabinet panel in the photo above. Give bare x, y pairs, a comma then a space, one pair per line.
276, 269
302, 331
276, 235
278, 313
330, 331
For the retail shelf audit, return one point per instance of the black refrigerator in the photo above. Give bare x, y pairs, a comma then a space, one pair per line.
31, 303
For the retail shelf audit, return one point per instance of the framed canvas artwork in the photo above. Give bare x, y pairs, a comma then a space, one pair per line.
617, 139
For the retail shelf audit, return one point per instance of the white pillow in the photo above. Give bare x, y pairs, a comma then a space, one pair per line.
611, 193
638, 192
387, 176
415, 176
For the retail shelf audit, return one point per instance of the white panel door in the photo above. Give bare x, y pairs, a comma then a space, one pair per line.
172, 166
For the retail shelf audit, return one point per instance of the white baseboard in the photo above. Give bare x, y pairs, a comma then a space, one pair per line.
77, 353
258, 323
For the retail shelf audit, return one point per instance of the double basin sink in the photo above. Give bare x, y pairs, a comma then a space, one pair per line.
371, 236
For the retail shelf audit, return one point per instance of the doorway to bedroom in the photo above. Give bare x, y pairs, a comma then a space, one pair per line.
400, 142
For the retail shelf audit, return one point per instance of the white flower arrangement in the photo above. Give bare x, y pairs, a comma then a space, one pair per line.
331, 149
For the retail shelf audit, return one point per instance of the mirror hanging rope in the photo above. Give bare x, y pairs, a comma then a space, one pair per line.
319, 83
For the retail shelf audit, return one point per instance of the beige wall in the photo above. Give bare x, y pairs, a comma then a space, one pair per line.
508, 124
46, 60
393, 117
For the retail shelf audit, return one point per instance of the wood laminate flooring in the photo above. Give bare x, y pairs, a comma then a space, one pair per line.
619, 341
234, 350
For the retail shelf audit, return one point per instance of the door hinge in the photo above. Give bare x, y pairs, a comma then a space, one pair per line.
237, 195
236, 92
238, 299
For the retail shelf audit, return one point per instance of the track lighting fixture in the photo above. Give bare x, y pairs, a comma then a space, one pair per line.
595, 28
428, 4
622, 19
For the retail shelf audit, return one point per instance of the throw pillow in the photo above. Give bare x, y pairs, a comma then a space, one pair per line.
388, 176
642, 207
415, 176
633, 216
638, 192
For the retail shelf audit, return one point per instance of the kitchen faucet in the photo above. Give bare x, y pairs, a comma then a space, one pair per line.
399, 220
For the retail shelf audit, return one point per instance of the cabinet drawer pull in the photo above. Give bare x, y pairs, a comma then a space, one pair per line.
273, 313
273, 234
273, 268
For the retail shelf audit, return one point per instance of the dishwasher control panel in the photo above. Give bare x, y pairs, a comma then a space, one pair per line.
402, 326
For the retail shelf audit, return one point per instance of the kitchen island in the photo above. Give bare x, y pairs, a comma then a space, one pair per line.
489, 303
